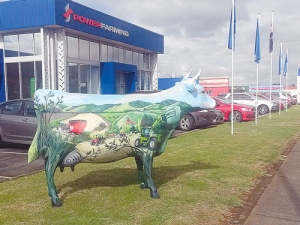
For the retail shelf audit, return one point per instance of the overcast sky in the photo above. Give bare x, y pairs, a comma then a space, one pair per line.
196, 35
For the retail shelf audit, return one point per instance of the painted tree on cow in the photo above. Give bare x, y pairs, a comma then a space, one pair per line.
135, 125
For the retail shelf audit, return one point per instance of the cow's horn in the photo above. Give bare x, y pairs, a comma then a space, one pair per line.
196, 77
188, 74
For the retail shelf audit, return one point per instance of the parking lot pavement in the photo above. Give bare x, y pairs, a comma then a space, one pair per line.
13, 162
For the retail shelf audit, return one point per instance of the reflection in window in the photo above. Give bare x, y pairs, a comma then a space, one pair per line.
146, 59
26, 44
94, 51
12, 80
11, 45
83, 49
73, 81
72, 47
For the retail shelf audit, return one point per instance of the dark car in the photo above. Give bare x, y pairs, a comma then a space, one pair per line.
18, 122
201, 118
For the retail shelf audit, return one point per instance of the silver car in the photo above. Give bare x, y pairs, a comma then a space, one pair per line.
18, 122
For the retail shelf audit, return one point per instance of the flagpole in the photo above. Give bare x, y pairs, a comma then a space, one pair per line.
257, 59
231, 45
280, 70
271, 64
232, 59
286, 74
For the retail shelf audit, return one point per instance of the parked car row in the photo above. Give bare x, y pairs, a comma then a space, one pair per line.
18, 121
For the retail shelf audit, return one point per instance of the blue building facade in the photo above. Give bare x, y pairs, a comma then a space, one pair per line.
64, 45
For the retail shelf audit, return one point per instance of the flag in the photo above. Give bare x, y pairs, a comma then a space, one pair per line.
271, 35
285, 68
231, 39
280, 60
257, 44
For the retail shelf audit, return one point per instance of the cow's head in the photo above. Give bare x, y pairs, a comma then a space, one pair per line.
190, 91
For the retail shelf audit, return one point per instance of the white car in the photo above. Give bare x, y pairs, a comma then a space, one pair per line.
262, 106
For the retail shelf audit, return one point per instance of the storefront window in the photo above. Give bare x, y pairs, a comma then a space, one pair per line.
128, 57
12, 80
135, 58
94, 51
143, 81
72, 47
121, 55
11, 46
103, 53
27, 76
110, 56
37, 44
84, 49
26, 44
146, 59
73, 82
116, 54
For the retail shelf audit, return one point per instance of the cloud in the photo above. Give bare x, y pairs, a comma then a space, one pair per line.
196, 34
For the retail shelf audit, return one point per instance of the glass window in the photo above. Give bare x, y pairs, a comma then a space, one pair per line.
29, 109
39, 79
128, 57
27, 76
141, 61
116, 54
144, 81
11, 45
72, 47
84, 76
94, 51
73, 81
110, 54
135, 58
12, 108
84, 49
26, 44
12, 80
37, 44
121, 55
103, 53
146, 59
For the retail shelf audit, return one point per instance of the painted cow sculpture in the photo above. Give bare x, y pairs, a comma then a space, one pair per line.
74, 128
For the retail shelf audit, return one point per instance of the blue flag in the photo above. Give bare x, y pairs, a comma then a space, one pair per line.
231, 39
280, 60
285, 68
271, 35
257, 55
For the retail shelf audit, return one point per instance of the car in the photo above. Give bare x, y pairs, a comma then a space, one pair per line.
240, 112
18, 122
202, 118
262, 106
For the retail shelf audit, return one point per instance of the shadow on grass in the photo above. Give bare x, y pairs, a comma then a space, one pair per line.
127, 176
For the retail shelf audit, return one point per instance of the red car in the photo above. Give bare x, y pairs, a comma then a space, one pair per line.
240, 112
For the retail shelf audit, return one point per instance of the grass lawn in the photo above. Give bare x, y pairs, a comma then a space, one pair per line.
200, 177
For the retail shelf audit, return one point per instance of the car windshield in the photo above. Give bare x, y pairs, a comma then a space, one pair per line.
223, 100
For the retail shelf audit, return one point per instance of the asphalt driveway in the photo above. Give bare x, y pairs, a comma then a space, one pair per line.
13, 162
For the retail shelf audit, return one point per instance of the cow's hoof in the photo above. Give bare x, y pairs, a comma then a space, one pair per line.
154, 194
56, 202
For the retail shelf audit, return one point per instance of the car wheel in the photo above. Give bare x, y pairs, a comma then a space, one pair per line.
262, 109
186, 123
237, 116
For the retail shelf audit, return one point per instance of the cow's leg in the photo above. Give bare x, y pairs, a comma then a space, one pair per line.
147, 162
140, 169
50, 167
